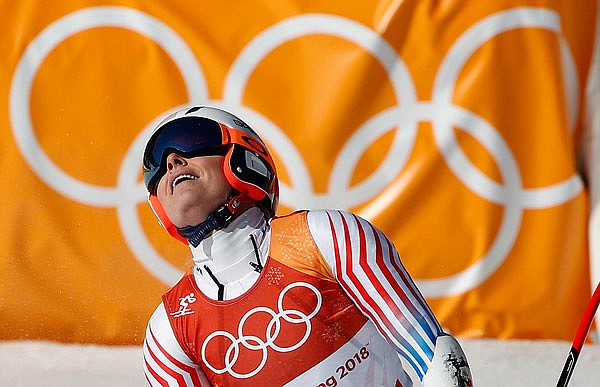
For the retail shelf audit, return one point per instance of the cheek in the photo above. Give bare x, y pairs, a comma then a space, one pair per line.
160, 190
223, 187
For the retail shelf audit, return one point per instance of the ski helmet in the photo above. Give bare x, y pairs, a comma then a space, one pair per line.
203, 130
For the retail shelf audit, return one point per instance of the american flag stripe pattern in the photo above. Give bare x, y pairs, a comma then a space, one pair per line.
161, 367
368, 267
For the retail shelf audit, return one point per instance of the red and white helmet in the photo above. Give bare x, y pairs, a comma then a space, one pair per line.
201, 131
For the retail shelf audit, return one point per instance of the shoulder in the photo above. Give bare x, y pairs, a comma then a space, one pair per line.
317, 224
294, 218
309, 223
159, 321
328, 230
335, 224
340, 234
182, 288
293, 243
316, 219
164, 358
160, 338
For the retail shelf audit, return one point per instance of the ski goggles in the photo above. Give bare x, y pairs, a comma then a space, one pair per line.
187, 137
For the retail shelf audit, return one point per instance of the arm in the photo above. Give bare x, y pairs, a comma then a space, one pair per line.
368, 267
165, 362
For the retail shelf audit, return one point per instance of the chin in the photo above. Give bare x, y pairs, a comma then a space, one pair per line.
189, 218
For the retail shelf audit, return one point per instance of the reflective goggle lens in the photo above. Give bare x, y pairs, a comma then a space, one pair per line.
186, 136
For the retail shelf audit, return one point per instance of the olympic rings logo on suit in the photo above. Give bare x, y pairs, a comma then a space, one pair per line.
272, 330
408, 112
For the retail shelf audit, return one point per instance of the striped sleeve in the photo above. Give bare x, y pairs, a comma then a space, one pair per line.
165, 362
368, 267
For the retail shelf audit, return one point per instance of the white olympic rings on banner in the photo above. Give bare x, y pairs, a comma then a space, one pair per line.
127, 194
405, 117
271, 333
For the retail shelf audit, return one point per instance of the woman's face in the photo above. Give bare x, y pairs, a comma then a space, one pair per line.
192, 189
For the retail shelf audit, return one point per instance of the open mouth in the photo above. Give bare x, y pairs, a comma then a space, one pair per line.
181, 179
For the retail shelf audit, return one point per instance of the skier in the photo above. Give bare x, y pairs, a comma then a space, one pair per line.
315, 298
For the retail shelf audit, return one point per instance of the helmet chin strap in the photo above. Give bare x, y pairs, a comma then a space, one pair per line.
215, 221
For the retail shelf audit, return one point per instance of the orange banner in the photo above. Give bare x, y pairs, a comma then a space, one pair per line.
453, 126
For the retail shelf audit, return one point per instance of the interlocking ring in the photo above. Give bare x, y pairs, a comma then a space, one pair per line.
405, 116
271, 333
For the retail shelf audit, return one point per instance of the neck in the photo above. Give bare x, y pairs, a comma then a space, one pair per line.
229, 254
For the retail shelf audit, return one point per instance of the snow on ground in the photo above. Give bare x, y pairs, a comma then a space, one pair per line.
511, 363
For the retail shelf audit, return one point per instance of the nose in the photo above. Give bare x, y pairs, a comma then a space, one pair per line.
174, 160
